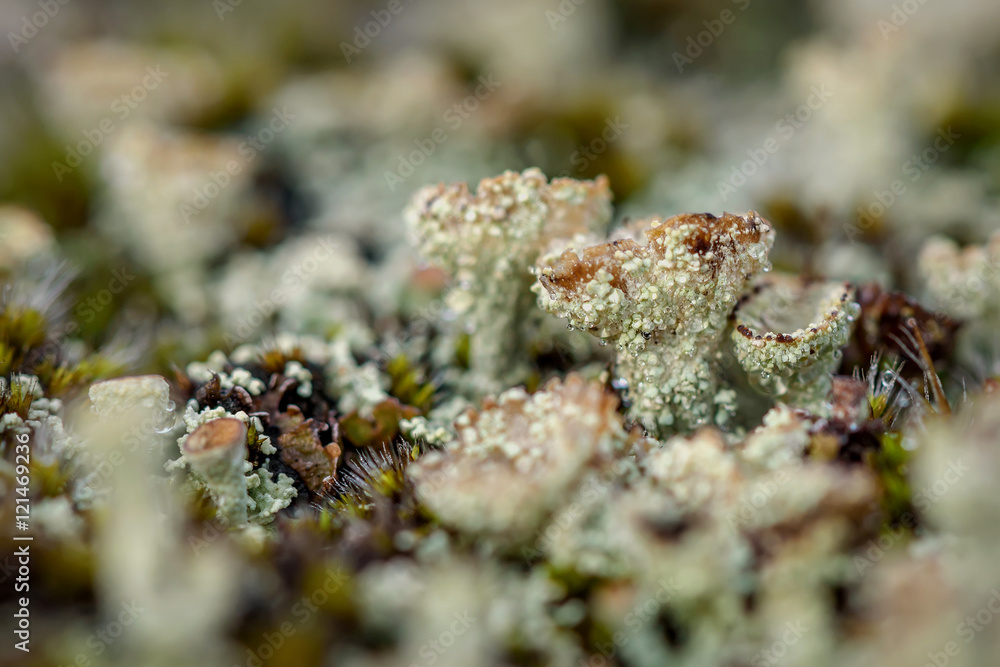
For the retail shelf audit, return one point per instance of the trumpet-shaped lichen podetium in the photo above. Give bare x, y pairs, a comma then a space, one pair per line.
663, 294
789, 335
488, 242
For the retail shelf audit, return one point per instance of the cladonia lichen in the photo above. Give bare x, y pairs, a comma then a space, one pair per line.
789, 335
516, 458
489, 240
663, 293
215, 460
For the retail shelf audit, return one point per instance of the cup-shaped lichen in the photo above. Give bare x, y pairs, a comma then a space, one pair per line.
488, 242
519, 457
663, 295
216, 452
789, 334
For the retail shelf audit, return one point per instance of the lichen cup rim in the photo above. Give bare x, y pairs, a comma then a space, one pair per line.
832, 310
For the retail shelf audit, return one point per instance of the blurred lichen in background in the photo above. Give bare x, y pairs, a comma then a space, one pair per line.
627, 333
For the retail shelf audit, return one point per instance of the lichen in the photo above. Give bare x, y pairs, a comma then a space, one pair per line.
516, 458
662, 294
789, 334
488, 242
258, 496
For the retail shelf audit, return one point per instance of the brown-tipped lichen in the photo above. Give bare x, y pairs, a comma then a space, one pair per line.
663, 295
488, 241
789, 335
216, 451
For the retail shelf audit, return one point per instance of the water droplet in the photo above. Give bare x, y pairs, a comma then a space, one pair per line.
602, 342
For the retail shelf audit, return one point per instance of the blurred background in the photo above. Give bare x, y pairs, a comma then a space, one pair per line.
183, 177
844, 123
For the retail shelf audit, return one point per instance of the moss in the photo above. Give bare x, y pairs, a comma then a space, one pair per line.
891, 463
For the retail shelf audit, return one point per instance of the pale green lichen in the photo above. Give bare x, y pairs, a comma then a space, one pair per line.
146, 394
965, 284
488, 242
789, 335
267, 497
216, 452
517, 458
782, 438
260, 496
215, 365
663, 294
360, 387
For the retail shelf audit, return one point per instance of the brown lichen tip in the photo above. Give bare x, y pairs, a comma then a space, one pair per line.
789, 334
663, 292
690, 268
216, 452
215, 437
519, 457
